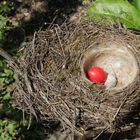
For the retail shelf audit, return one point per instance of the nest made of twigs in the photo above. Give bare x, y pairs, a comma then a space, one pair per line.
50, 83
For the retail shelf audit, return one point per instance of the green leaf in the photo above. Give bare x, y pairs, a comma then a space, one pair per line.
110, 11
7, 96
2, 80
11, 128
8, 72
1, 63
136, 3
3, 22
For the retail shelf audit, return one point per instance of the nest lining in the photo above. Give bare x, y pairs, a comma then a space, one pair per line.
51, 85
114, 58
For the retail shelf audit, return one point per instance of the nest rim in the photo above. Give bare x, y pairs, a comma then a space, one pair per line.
94, 54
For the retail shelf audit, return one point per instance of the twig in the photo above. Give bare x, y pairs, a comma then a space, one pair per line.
60, 42
105, 129
111, 135
5, 55
119, 108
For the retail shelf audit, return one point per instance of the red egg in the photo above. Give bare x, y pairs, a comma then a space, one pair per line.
97, 75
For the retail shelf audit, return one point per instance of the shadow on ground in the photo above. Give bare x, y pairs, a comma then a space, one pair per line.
32, 17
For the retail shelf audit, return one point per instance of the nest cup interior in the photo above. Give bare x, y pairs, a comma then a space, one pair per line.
113, 56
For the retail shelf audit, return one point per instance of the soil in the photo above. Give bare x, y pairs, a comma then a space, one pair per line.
38, 13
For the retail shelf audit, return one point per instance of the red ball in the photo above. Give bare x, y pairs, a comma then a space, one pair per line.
97, 74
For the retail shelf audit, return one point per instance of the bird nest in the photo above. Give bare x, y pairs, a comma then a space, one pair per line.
52, 83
